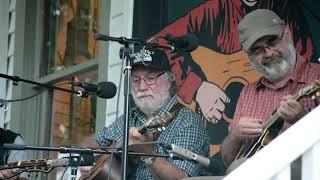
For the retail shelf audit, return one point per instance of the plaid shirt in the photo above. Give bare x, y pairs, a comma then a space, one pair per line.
260, 99
186, 130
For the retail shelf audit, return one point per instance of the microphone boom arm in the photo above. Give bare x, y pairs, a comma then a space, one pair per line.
49, 86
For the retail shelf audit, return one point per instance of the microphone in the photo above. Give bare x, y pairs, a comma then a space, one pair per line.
85, 160
103, 89
188, 42
210, 164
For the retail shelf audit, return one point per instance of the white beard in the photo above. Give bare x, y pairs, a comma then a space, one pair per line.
149, 105
278, 67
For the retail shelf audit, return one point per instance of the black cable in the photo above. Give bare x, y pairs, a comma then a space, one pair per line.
5, 101
64, 172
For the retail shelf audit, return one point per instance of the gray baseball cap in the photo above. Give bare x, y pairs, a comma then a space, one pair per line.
257, 24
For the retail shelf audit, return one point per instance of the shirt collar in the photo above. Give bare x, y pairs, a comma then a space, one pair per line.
263, 82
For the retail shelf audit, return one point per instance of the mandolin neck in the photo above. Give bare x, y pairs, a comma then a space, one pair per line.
276, 116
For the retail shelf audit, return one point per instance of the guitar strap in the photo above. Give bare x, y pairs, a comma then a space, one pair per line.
174, 112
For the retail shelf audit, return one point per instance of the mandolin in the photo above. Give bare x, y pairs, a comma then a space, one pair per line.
273, 126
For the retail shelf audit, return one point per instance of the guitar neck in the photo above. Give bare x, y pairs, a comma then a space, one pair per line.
142, 129
273, 119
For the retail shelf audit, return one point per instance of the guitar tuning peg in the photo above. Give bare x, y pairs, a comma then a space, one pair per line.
318, 93
159, 129
163, 128
313, 97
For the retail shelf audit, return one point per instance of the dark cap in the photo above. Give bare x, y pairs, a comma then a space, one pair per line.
154, 58
257, 24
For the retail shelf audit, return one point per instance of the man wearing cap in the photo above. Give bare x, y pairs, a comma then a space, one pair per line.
267, 41
153, 91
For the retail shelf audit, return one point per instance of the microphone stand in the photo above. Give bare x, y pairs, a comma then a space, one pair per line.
16, 79
75, 153
127, 51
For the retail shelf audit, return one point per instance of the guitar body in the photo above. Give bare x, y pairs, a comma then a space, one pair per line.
249, 149
110, 165
107, 165
103, 164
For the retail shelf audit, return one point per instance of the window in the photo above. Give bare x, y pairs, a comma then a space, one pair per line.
73, 116
70, 33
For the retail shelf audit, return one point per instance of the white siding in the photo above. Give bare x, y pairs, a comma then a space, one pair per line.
121, 19
7, 20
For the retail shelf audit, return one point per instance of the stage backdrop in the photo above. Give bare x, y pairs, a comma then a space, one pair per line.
214, 74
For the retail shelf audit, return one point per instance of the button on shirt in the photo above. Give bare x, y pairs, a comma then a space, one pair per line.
260, 99
187, 130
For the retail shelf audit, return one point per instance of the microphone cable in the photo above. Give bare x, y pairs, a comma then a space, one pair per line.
4, 102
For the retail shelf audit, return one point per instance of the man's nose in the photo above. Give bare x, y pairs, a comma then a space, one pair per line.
268, 51
143, 85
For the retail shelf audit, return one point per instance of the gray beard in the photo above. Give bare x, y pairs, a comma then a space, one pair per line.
154, 106
278, 68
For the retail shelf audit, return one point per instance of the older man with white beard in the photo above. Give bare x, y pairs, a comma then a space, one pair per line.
153, 91
267, 41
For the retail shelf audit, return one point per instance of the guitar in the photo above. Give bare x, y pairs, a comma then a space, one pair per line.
273, 126
33, 165
110, 166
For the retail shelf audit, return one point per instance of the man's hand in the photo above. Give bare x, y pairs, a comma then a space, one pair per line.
211, 100
4, 174
86, 170
290, 110
247, 128
136, 138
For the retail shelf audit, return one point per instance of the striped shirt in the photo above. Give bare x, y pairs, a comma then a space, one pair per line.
186, 130
258, 100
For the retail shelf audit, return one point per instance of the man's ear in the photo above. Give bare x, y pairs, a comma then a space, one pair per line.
171, 76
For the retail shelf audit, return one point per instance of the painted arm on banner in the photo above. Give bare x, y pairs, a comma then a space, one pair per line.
191, 79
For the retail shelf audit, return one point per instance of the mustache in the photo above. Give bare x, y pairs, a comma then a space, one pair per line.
271, 60
141, 94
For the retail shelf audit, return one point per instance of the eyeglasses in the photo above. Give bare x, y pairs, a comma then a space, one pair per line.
150, 80
270, 43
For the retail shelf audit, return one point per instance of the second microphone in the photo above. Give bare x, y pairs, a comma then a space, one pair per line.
103, 89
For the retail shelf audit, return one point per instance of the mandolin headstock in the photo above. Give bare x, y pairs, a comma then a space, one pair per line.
158, 123
33, 165
313, 91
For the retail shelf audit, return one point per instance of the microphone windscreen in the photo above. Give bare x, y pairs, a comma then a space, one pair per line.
188, 42
13, 146
106, 90
192, 42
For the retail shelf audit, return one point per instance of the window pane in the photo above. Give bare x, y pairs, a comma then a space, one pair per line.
73, 116
70, 33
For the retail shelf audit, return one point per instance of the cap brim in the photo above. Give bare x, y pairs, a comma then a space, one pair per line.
275, 30
147, 64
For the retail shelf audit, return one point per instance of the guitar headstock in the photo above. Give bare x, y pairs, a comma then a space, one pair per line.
158, 123
312, 90
33, 165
